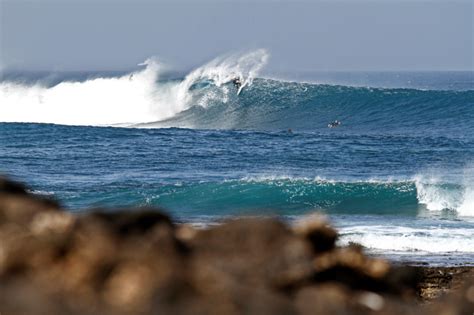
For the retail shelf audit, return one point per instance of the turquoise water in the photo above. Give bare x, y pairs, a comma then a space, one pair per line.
396, 176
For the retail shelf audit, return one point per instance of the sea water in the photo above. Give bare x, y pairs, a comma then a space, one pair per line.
397, 175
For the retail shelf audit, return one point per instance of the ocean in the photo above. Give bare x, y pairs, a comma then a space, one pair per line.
396, 176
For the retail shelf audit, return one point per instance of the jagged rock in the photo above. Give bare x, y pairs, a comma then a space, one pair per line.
349, 266
461, 302
257, 252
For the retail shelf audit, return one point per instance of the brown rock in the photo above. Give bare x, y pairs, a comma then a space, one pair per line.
257, 252
460, 302
17, 206
349, 266
318, 232
10, 187
323, 299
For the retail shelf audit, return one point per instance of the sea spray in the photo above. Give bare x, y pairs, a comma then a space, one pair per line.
437, 192
436, 195
98, 101
467, 206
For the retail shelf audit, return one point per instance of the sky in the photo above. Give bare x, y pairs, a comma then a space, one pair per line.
300, 35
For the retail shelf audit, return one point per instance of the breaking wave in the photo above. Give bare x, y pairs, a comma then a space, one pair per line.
206, 99
133, 98
437, 195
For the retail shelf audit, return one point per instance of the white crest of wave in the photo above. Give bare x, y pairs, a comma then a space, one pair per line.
224, 69
134, 98
100, 101
437, 195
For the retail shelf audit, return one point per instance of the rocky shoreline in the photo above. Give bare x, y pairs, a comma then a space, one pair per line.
138, 261
438, 281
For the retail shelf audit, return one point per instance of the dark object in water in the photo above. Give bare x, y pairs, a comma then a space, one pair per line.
334, 124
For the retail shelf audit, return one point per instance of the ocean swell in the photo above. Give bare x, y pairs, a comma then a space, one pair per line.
206, 99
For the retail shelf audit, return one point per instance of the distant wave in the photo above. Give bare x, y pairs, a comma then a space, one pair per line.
207, 99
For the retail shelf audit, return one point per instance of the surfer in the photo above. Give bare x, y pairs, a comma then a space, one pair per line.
334, 124
237, 82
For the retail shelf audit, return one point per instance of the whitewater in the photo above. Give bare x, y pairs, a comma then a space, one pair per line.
397, 175
136, 97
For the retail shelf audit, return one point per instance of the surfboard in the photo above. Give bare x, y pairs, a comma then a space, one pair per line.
241, 87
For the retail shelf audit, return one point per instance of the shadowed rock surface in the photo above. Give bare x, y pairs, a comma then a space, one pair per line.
137, 261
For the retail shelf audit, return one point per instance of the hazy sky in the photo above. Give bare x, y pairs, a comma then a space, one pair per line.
300, 35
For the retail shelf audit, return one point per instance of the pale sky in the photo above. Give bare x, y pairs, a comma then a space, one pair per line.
300, 35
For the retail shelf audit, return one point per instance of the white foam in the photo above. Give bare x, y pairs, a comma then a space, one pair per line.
467, 206
436, 196
406, 239
101, 101
224, 69
403, 183
41, 192
125, 101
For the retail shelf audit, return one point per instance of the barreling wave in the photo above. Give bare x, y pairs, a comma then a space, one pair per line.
207, 99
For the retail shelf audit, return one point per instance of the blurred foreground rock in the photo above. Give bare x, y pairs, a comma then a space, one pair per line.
139, 262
